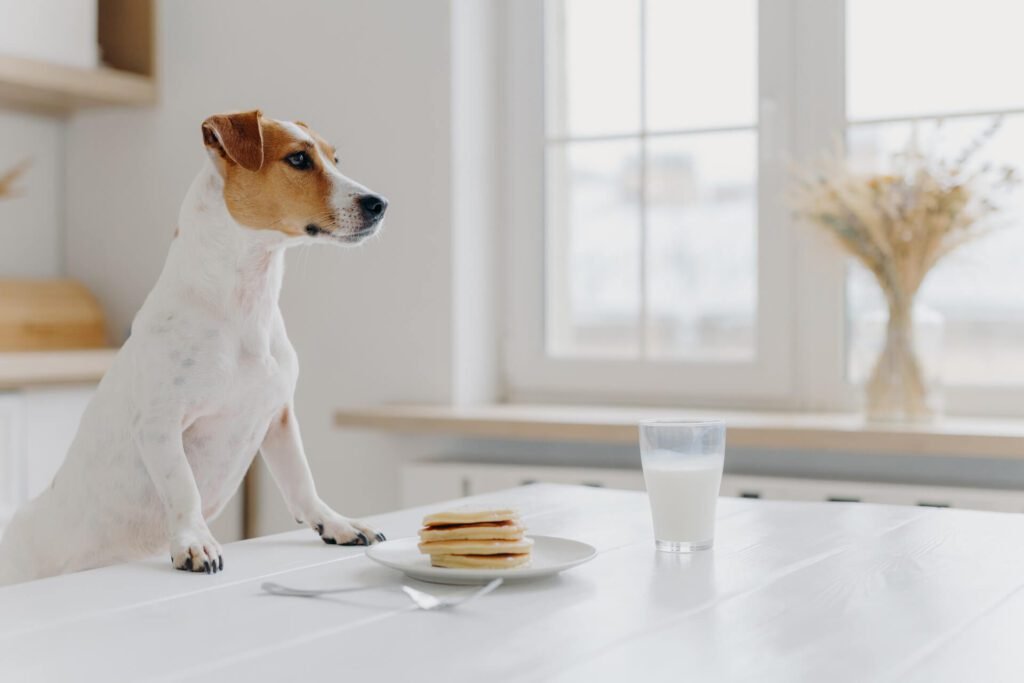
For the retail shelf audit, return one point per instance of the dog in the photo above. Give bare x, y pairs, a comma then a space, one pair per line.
207, 376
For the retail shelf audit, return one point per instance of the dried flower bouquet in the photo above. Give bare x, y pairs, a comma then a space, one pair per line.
899, 225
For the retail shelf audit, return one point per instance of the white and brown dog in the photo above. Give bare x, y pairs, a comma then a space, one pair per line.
208, 375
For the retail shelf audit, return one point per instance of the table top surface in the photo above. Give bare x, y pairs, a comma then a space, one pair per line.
791, 592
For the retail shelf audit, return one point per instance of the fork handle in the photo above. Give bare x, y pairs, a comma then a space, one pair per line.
484, 591
278, 589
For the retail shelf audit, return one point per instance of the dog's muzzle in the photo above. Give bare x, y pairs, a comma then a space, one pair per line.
371, 210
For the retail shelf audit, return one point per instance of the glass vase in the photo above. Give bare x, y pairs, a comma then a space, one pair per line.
905, 384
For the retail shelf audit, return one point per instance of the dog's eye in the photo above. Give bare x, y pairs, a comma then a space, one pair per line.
299, 160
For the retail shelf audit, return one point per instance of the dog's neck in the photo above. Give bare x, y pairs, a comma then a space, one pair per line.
235, 269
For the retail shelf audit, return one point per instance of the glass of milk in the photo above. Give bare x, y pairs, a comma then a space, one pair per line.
682, 462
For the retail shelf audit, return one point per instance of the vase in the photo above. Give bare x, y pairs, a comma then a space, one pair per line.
902, 387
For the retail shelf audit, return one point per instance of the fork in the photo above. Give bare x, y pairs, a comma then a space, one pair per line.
423, 600
427, 602
278, 589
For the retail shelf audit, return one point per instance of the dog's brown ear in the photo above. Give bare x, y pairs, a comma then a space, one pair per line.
238, 138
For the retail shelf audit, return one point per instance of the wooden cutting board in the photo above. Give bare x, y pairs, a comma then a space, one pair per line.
47, 315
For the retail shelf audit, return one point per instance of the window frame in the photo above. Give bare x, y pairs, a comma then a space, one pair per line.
530, 373
800, 358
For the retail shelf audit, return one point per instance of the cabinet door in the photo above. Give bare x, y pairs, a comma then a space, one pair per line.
11, 456
43, 423
51, 421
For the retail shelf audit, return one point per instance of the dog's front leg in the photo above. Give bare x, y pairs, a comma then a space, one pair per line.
282, 450
193, 547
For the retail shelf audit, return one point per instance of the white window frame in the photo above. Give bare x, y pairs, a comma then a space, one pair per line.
800, 359
530, 372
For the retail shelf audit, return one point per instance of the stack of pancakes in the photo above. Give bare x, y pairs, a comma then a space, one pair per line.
475, 538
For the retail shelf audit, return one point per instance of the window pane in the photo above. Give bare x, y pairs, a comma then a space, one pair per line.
593, 243
701, 63
593, 67
979, 289
702, 245
914, 57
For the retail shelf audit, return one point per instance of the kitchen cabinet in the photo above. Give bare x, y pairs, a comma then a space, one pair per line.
37, 426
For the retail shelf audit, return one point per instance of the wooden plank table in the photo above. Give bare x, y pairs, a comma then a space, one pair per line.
791, 592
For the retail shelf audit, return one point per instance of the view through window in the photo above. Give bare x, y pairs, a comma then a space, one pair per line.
651, 183
651, 179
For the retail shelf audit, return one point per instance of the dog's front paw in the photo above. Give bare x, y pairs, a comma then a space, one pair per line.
195, 550
337, 530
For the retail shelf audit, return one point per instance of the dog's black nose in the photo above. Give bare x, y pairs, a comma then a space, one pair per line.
373, 206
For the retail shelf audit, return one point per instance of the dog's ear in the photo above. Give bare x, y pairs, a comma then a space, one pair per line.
237, 138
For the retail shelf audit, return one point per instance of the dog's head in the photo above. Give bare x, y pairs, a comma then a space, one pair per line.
280, 175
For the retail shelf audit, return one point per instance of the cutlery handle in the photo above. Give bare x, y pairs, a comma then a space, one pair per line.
483, 591
278, 589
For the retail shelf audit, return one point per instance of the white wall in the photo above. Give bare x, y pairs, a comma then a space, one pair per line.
476, 164
370, 325
30, 224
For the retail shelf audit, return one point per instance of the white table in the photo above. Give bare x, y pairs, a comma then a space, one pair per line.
792, 592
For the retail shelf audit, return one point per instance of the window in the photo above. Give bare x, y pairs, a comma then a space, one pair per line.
652, 253
651, 179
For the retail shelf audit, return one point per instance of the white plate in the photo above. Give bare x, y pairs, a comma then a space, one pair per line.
550, 555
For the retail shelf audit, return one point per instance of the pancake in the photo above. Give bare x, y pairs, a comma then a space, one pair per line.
474, 537
507, 531
480, 547
480, 561
470, 515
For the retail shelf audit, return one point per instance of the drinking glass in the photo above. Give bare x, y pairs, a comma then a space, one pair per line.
682, 461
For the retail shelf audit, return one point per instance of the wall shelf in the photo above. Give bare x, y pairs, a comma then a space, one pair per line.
53, 88
20, 369
126, 37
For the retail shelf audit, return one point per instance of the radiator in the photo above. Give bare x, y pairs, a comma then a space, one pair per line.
429, 482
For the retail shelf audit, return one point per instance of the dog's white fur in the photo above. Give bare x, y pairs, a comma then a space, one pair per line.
205, 380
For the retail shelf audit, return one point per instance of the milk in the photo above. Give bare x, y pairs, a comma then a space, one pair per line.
683, 493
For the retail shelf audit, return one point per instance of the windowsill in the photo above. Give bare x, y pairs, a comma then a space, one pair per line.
20, 369
959, 437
